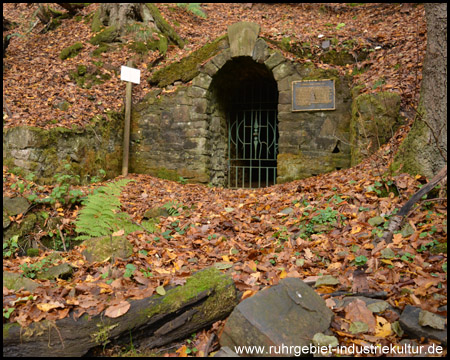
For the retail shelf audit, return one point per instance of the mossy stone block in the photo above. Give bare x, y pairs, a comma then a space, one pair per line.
102, 248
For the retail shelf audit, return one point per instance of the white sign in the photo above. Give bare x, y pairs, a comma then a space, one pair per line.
130, 74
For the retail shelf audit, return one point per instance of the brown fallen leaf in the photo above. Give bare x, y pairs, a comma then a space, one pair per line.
358, 311
118, 310
49, 306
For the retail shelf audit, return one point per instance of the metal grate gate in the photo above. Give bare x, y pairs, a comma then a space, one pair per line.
253, 139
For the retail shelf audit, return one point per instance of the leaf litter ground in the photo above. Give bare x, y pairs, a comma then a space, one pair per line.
321, 226
393, 35
308, 229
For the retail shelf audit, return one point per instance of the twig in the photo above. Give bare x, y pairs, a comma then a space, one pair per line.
435, 199
208, 344
33, 26
135, 223
42, 245
62, 238
50, 326
372, 295
396, 221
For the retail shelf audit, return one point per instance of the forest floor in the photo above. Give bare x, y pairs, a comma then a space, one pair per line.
259, 236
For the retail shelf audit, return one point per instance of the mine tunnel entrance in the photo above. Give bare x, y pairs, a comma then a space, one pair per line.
250, 100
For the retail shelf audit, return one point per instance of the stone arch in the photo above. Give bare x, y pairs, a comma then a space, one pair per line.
307, 140
246, 61
243, 132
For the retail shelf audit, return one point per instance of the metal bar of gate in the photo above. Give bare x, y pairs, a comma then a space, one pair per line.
250, 130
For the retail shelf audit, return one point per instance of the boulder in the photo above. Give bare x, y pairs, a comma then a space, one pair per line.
15, 281
15, 206
287, 314
103, 248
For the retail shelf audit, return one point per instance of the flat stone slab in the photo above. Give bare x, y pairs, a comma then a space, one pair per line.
289, 314
15, 281
409, 321
15, 206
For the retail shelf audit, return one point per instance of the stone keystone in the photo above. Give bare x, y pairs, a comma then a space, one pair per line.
288, 314
242, 37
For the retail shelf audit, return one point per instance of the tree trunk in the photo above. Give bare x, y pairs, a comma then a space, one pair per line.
122, 14
207, 296
424, 151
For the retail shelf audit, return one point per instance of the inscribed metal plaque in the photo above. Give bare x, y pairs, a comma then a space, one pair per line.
310, 95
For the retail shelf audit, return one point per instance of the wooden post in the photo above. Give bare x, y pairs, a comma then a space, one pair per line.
126, 131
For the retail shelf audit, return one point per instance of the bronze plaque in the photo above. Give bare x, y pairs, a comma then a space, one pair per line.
313, 95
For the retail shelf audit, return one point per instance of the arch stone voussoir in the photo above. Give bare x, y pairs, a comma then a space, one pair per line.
242, 37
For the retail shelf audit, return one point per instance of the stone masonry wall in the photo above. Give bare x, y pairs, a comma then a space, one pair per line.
181, 130
47, 152
185, 131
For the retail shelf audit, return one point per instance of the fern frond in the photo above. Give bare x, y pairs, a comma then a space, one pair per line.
194, 8
101, 214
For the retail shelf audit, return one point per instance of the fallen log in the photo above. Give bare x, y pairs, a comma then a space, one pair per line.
206, 297
397, 220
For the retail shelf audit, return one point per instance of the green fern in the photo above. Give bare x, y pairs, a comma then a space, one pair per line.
101, 214
194, 8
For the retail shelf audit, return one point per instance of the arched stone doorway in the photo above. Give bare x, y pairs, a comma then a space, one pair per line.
243, 129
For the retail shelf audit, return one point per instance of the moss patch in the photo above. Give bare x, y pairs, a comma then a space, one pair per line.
101, 49
86, 78
71, 51
186, 69
375, 118
15, 281
96, 23
407, 159
108, 35
23, 229
339, 58
100, 249
208, 279
164, 26
161, 44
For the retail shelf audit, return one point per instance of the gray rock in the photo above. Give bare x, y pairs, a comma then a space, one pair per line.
326, 44
156, 212
226, 352
62, 271
15, 281
15, 206
260, 51
100, 248
242, 37
409, 321
289, 314
273, 60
